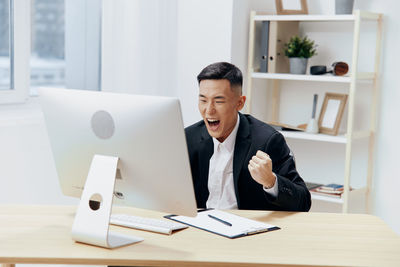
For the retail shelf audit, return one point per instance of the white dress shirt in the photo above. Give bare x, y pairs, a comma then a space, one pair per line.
220, 174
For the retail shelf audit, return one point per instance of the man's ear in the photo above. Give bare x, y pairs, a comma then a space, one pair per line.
242, 100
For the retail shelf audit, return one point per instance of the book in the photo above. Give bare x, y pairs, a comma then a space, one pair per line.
224, 223
332, 187
321, 190
316, 192
284, 127
264, 46
312, 185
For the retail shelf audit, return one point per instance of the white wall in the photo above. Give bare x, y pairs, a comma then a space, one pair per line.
147, 43
27, 171
139, 47
386, 175
191, 35
204, 37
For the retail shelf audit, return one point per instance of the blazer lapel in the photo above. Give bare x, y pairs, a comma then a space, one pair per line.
205, 153
242, 146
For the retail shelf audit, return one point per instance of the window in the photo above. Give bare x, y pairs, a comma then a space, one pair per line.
47, 60
63, 49
5, 59
14, 56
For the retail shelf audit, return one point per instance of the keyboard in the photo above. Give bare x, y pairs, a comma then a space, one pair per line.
148, 224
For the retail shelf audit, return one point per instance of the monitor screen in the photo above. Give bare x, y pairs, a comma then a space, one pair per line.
145, 132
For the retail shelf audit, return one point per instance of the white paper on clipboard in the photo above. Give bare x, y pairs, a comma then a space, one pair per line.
240, 226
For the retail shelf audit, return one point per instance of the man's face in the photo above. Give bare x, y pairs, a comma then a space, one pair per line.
219, 106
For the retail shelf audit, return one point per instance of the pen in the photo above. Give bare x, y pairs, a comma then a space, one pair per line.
218, 219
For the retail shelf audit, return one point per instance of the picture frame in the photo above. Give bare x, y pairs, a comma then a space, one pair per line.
331, 113
291, 7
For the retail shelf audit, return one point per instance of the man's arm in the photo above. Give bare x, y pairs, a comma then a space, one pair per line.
276, 165
260, 167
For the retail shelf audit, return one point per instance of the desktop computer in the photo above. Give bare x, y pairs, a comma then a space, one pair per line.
117, 148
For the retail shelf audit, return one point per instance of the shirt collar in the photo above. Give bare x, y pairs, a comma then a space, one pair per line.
229, 142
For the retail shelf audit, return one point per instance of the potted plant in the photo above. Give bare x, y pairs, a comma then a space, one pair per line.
299, 50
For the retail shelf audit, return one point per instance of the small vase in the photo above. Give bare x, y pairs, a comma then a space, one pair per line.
298, 65
312, 126
344, 6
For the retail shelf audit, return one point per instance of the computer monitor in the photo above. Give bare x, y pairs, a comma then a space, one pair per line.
145, 134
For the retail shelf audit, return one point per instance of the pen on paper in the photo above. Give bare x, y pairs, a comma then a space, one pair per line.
220, 220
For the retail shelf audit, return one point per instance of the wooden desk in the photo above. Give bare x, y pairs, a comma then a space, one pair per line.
41, 235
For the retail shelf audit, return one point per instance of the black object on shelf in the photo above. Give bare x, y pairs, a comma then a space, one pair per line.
339, 69
317, 70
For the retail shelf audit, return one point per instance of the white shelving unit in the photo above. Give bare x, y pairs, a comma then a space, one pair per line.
351, 81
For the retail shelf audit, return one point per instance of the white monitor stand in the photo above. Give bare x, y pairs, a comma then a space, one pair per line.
91, 224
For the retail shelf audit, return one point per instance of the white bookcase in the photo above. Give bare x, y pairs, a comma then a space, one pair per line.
351, 82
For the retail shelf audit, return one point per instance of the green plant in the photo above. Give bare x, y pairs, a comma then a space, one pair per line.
300, 47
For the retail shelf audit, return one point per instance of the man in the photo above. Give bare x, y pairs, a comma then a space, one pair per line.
237, 161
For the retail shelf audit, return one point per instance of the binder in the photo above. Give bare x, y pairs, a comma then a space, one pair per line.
279, 34
264, 46
224, 223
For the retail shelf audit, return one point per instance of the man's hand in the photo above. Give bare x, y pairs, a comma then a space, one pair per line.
260, 167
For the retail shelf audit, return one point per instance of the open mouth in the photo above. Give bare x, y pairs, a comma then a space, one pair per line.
213, 123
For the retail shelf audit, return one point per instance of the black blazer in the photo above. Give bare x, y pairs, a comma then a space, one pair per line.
252, 135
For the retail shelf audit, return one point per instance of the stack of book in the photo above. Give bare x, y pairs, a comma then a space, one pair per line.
330, 190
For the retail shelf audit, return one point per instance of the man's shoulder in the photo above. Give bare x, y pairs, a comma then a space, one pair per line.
264, 136
195, 126
259, 131
195, 129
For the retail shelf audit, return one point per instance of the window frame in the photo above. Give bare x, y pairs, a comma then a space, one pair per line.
82, 71
19, 53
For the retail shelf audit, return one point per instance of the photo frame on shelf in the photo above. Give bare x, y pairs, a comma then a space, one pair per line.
331, 113
291, 7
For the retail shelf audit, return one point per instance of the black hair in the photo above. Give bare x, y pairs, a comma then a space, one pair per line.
222, 70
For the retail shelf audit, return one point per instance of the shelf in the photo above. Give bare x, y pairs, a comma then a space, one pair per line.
341, 139
326, 198
363, 15
338, 139
355, 81
359, 191
305, 17
301, 77
312, 78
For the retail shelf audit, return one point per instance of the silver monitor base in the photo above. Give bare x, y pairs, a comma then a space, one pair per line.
91, 224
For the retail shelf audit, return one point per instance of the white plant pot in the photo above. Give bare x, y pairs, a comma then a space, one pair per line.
298, 65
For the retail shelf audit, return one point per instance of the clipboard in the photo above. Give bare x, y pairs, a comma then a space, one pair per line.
224, 223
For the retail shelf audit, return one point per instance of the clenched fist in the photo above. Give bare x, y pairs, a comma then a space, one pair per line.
260, 167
